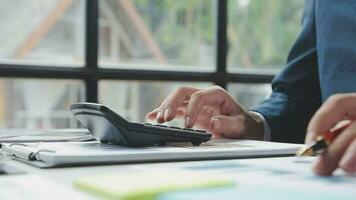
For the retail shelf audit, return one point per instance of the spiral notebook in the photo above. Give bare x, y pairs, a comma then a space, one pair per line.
58, 154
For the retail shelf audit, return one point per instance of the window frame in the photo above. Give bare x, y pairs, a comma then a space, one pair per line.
91, 73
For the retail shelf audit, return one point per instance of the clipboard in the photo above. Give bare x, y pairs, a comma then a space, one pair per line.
61, 154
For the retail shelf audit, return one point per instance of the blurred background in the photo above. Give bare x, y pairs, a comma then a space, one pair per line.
167, 35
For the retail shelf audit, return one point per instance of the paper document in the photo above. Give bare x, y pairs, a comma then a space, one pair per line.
76, 153
279, 178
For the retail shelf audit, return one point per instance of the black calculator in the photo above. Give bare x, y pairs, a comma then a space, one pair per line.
109, 127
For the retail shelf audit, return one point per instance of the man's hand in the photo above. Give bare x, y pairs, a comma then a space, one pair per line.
342, 151
211, 109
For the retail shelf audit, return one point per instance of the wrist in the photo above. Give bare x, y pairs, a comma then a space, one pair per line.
254, 127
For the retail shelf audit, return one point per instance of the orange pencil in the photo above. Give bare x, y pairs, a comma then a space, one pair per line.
321, 142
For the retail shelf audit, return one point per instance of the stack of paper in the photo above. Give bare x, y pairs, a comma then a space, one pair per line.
44, 135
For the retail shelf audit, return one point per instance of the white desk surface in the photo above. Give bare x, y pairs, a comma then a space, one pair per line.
274, 172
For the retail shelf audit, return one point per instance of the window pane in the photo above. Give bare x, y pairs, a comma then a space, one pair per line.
134, 99
250, 95
45, 32
169, 34
261, 32
33, 103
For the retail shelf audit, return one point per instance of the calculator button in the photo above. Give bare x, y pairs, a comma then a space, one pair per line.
175, 127
160, 125
201, 131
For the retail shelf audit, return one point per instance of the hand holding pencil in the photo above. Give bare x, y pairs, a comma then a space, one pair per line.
322, 142
339, 139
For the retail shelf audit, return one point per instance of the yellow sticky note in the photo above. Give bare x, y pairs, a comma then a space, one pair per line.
147, 186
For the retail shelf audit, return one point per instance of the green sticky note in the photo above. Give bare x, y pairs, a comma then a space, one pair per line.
147, 186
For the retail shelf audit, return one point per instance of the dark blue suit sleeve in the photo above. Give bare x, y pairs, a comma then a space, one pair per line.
296, 90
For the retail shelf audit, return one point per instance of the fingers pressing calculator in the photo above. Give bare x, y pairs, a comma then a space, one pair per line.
109, 127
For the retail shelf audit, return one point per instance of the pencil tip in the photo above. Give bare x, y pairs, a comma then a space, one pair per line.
304, 151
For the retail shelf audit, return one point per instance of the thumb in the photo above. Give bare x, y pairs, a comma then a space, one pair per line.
229, 126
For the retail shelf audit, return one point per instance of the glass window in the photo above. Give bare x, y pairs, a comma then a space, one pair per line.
250, 95
34, 103
42, 32
261, 32
169, 34
134, 99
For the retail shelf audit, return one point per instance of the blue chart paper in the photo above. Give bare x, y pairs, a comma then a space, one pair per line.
273, 178
252, 193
